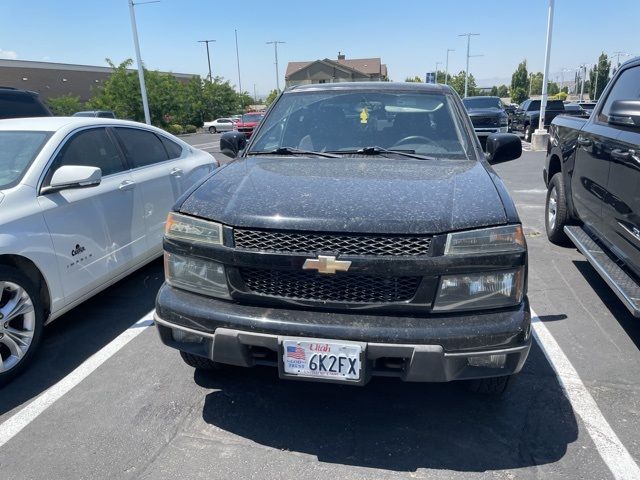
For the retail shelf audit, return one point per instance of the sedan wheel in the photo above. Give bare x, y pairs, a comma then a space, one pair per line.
212, 130
21, 321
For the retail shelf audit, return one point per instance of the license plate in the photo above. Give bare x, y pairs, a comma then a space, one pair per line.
322, 359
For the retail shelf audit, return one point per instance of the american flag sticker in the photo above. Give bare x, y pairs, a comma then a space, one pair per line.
296, 353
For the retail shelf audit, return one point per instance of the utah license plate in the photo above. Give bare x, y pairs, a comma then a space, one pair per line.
322, 359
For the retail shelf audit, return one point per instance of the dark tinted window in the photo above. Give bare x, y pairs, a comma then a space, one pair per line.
17, 105
482, 102
252, 118
106, 115
142, 147
92, 148
173, 149
627, 87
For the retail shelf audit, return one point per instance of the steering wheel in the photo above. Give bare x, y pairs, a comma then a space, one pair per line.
412, 139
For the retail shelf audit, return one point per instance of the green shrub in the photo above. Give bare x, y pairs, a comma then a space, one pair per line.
190, 129
174, 129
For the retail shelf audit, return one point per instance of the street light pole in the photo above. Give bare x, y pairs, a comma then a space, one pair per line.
238, 62
595, 90
540, 137
583, 67
206, 42
275, 46
466, 73
143, 88
446, 68
436, 75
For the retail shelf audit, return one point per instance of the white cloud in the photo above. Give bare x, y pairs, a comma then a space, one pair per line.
8, 54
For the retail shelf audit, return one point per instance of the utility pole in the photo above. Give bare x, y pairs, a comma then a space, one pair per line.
275, 46
238, 61
446, 68
617, 55
595, 90
466, 73
583, 74
436, 76
143, 88
255, 95
530, 82
206, 42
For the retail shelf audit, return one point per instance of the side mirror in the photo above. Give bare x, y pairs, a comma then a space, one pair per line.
73, 176
502, 147
231, 143
625, 113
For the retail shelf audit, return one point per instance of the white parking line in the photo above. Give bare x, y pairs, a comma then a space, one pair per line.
611, 449
24, 417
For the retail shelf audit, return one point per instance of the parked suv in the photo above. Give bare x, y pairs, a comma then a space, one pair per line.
487, 115
16, 103
360, 233
593, 184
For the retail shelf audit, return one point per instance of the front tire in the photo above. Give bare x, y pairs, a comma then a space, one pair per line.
21, 322
528, 131
212, 130
198, 362
556, 213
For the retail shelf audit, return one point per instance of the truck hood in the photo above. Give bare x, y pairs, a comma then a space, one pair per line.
485, 112
364, 195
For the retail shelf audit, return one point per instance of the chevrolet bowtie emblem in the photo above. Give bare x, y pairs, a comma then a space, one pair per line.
326, 264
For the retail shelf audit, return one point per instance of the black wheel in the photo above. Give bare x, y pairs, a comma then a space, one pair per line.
489, 386
212, 130
199, 362
556, 212
528, 131
21, 322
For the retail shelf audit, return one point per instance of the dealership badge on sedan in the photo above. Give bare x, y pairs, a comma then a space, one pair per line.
83, 202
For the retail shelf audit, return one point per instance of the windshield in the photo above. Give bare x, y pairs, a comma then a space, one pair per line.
424, 123
482, 102
17, 151
252, 118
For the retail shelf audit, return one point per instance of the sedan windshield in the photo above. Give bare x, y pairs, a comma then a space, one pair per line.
252, 118
17, 151
486, 102
337, 121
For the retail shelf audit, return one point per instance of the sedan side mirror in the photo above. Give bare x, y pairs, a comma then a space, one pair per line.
231, 143
73, 176
502, 147
625, 113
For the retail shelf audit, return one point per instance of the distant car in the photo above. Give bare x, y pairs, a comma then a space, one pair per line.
527, 116
575, 110
83, 203
15, 103
219, 125
248, 122
96, 113
487, 115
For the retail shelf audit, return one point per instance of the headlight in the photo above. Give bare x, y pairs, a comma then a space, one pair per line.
504, 121
486, 240
480, 291
183, 227
196, 275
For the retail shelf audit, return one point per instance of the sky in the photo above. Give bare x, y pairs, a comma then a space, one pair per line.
410, 36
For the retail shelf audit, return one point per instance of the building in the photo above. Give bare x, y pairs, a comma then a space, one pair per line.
52, 80
332, 71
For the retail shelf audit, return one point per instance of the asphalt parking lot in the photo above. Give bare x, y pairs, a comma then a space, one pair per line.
104, 399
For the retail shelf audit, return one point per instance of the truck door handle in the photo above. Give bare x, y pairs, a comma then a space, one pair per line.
126, 185
620, 154
176, 172
584, 142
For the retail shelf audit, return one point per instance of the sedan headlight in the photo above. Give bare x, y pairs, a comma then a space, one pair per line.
192, 229
486, 240
480, 291
197, 275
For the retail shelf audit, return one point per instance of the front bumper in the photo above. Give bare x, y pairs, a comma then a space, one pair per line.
438, 348
485, 132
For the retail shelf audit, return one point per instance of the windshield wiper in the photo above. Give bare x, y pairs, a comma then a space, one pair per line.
382, 151
293, 151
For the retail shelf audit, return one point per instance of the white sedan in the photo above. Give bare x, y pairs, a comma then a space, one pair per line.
83, 203
219, 125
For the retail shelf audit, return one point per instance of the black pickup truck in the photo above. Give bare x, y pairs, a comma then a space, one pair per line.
360, 232
592, 173
526, 118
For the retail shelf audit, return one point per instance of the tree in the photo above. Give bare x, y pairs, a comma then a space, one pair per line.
64, 106
535, 85
520, 83
503, 91
553, 88
494, 91
415, 79
273, 94
599, 76
457, 83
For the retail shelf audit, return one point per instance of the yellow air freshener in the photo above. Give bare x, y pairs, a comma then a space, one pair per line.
364, 115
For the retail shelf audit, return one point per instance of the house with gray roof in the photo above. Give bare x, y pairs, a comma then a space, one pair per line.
332, 71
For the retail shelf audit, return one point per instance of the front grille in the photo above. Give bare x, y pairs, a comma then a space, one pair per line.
485, 121
336, 244
341, 287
